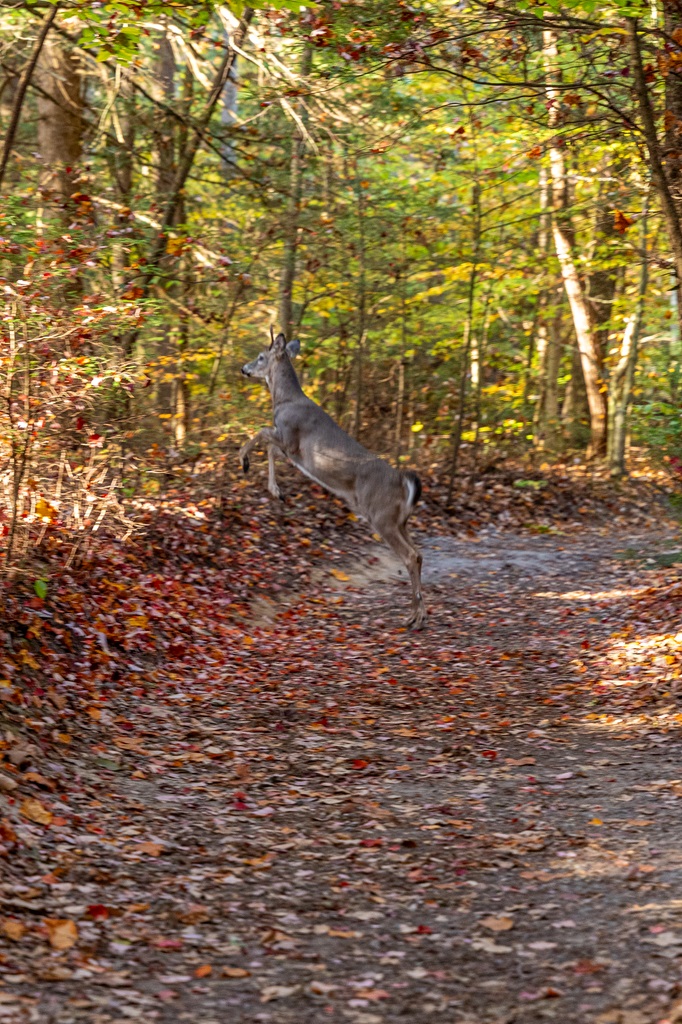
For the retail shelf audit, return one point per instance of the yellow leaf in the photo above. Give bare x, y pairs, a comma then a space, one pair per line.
596, 821
340, 575
137, 621
45, 510
13, 929
34, 811
416, 427
62, 932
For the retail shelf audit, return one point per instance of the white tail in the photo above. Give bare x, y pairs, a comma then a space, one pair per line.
315, 444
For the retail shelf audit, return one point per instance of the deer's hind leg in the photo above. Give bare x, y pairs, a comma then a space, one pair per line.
396, 536
273, 486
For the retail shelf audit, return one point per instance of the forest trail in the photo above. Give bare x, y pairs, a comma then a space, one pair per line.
458, 825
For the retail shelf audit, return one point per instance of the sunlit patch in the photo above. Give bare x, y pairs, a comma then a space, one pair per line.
665, 718
592, 595
654, 641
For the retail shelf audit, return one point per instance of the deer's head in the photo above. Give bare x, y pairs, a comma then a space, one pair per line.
265, 364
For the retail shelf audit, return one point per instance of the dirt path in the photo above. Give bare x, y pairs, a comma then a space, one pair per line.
344, 822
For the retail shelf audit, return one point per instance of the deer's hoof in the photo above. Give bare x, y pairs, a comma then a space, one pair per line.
245, 464
417, 620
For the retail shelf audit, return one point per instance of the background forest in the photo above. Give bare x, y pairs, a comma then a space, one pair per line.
468, 213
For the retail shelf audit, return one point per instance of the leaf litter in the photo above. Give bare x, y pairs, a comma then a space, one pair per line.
316, 815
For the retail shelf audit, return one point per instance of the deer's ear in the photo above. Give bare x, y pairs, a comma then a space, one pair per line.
293, 348
278, 344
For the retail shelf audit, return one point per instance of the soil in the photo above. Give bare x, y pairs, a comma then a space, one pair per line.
480, 836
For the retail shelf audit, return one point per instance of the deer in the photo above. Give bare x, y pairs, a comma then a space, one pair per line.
317, 446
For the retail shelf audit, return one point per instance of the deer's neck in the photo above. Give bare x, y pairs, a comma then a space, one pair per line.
284, 385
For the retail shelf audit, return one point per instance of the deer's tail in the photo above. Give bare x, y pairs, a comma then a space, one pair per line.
413, 487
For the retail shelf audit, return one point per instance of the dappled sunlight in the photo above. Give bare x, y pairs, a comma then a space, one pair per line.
665, 719
617, 594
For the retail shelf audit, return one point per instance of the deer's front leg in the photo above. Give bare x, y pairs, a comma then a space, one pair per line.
273, 486
263, 439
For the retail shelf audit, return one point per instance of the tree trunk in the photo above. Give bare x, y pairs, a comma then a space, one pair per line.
620, 390
164, 135
228, 115
458, 421
194, 140
665, 179
288, 274
362, 297
122, 172
60, 120
546, 416
20, 91
575, 292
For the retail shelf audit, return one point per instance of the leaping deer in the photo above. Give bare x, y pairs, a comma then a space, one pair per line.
306, 435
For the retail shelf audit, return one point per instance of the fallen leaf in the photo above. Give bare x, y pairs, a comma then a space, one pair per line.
203, 971
152, 849
277, 992
498, 924
235, 972
35, 811
489, 946
13, 929
62, 932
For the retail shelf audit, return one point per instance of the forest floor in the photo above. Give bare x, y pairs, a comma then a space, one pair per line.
300, 813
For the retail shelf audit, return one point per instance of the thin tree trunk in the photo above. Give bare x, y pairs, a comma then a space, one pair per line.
622, 377
671, 213
546, 416
122, 171
60, 117
164, 135
21, 91
185, 165
400, 398
362, 296
458, 423
288, 275
562, 233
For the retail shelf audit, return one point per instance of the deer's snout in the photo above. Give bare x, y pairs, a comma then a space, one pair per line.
245, 371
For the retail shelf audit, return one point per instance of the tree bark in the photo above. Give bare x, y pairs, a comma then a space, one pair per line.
622, 377
458, 422
665, 187
575, 292
288, 274
362, 307
121, 162
20, 93
60, 120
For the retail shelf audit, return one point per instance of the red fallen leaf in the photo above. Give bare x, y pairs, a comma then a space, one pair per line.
80, 423
98, 912
423, 929
588, 967
359, 763
371, 842
163, 943
490, 754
